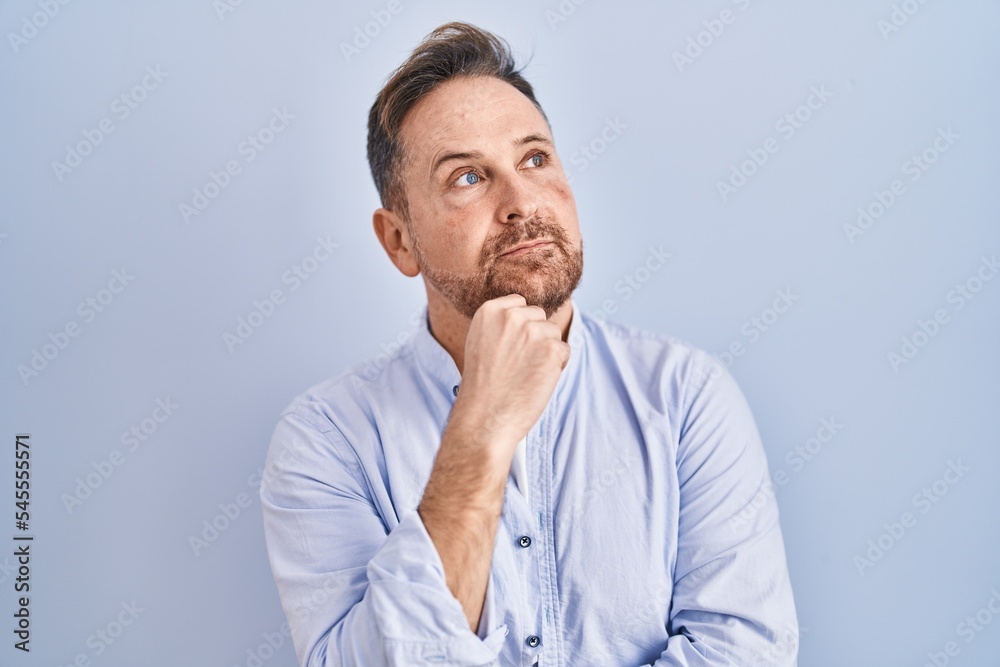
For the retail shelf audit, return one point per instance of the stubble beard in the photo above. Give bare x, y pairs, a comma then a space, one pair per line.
546, 277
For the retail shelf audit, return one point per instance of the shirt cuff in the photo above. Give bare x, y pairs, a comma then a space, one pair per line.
419, 616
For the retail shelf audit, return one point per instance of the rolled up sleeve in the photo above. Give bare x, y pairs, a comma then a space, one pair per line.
732, 601
354, 592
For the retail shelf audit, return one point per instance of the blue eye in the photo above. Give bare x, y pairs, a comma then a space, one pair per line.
464, 178
543, 155
469, 178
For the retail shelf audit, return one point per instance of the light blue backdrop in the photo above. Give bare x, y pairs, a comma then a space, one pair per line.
742, 137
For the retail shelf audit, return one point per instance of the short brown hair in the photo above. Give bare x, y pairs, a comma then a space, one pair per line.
451, 50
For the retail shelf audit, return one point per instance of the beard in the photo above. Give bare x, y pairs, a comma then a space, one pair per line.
545, 277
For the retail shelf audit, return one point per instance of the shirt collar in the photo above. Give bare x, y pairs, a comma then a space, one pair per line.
437, 363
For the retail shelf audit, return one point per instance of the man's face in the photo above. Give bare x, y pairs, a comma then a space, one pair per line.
509, 189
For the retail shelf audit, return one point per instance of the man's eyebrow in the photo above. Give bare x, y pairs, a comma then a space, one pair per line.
466, 155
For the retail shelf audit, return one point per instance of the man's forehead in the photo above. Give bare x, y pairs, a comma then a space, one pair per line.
467, 116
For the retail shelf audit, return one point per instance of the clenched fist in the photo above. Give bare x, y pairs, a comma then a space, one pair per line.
513, 358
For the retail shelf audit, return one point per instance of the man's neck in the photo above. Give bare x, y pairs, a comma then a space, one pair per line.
450, 328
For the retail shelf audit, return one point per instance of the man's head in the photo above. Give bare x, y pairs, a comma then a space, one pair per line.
464, 162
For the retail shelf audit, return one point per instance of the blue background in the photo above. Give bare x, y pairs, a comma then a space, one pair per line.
681, 128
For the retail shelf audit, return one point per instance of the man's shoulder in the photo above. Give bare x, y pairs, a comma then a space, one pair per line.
655, 359
645, 344
348, 396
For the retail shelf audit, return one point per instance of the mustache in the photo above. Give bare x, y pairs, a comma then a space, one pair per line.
506, 240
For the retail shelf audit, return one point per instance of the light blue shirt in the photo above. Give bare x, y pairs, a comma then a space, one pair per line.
639, 523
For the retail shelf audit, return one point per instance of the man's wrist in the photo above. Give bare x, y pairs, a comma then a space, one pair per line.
482, 426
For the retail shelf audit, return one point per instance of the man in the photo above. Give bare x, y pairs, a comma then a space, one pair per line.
522, 484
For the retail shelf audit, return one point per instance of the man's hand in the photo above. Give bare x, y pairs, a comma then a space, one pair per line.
513, 358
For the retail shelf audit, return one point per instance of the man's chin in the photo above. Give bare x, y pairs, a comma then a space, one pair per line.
524, 269
534, 288
534, 295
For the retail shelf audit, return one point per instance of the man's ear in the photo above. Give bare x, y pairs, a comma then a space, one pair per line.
394, 236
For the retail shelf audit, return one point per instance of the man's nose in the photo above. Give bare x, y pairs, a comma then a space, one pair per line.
518, 200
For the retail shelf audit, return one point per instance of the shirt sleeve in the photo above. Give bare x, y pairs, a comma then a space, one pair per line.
732, 602
355, 593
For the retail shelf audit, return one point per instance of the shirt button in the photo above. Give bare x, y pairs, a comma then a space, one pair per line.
454, 390
525, 541
533, 641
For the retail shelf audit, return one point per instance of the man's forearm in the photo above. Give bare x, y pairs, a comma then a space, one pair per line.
461, 508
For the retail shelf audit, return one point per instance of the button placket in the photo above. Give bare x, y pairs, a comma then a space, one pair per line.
546, 548
523, 604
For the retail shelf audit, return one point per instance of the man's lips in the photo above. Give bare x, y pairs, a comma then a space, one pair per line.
526, 247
